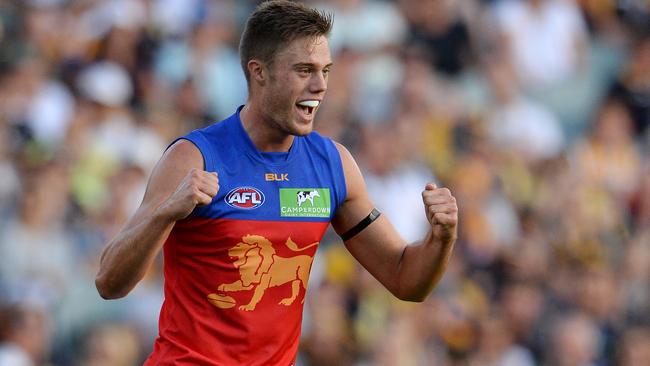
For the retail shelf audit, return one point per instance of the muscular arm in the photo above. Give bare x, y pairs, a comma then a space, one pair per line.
408, 271
177, 184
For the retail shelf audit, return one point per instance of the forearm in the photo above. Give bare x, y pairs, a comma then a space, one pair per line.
422, 266
129, 255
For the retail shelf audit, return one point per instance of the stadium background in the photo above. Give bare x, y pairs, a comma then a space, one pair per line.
534, 112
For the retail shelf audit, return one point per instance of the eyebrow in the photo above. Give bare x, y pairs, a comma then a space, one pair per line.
311, 64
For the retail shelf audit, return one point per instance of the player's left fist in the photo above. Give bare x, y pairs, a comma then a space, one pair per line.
441, 210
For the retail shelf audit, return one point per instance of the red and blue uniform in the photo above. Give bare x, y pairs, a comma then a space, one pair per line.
236, 270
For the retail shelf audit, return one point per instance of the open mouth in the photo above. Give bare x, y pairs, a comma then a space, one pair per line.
308, 106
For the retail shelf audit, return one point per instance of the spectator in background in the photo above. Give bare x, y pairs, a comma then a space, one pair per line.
635, 271
365, 26
609, 157
634, 349
523, 307
36, 253
633, 88
114, 133
111, 345
437, 25
545, 40
635, 14
329, 339
574, 341
206, 59
25, 334
9, 184
497, 345
491, 222
517, 123
547, 43
640, 201
37, 105
49, 110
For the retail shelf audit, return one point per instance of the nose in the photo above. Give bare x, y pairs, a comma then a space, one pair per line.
318, 83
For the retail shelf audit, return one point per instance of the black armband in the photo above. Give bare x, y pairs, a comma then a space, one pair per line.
374, 214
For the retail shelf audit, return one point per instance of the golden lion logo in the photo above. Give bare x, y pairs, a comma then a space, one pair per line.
260, 268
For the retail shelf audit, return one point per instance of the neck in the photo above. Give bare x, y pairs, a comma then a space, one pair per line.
263, 131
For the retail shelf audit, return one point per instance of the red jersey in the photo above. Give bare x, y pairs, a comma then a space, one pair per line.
236, 271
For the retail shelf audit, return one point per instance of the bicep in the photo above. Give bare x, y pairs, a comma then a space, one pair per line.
378, 247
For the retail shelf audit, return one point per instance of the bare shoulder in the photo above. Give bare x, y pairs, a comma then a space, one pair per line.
177, 161
350, 167
346, 156
185, 152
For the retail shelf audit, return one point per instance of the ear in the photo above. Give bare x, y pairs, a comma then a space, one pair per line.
257, 71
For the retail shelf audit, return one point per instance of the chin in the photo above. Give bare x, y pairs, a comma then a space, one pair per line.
300, 126
300, 129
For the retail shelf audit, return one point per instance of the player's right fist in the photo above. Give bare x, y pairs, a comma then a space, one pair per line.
196, 189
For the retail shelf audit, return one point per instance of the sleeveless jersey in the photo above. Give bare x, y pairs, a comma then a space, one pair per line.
236, 270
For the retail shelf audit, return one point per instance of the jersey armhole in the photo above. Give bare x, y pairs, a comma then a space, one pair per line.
201, 143
338, 174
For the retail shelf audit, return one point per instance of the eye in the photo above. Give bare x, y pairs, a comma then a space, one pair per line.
326, 72
304, 71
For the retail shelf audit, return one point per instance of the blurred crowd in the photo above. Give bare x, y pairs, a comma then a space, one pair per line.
535, 113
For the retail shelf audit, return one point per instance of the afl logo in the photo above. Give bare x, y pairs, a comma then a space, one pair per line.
247, 198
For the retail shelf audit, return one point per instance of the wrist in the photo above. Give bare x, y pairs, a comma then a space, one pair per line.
163, 214
442, 237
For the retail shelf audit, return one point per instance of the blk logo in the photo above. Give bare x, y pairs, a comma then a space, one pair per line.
271, 177
245, 198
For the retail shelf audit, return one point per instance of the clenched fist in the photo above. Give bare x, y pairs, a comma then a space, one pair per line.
442, 212
196, 189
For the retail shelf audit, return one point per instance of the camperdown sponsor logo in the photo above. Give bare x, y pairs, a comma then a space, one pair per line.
246, 198
305, 202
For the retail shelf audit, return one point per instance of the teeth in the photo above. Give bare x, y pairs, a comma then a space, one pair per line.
309, 103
